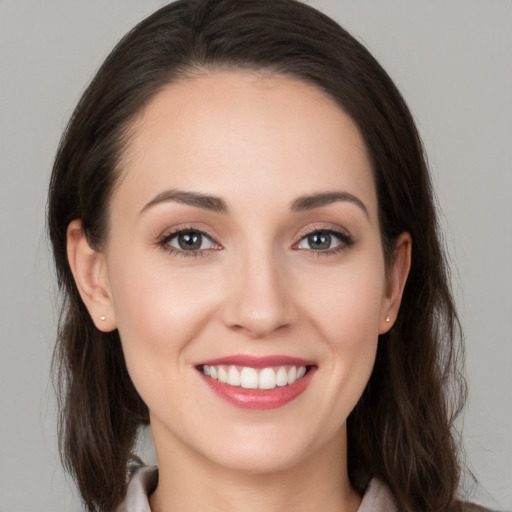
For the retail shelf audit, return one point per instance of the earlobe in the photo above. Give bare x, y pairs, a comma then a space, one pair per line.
397, 277
90, 273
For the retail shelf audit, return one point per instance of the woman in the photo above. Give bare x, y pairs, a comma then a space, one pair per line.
244, 232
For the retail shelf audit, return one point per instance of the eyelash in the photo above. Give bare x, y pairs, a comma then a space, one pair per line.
346, 241
163, 242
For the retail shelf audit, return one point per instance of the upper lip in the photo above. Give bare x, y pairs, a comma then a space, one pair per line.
256, 361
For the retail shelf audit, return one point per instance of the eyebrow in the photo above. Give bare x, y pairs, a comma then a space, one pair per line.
218, 205
309, 202
211, 203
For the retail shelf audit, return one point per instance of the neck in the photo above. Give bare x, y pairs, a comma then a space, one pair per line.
189, 482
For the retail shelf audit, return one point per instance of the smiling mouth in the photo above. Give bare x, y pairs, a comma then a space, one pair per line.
247, 377
258, 383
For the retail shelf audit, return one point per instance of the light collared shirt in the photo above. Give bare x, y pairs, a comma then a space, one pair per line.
377, 497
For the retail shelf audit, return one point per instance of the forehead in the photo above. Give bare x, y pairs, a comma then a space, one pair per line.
232, 133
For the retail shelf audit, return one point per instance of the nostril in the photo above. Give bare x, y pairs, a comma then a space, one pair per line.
260, 327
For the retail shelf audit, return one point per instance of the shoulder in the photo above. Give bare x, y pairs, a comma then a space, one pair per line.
144, 480
473, 507
142, 483
377, 498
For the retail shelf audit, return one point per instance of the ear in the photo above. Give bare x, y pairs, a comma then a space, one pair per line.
397, 277
90, 273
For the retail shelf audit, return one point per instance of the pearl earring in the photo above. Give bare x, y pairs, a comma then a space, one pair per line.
103, 318
388, 319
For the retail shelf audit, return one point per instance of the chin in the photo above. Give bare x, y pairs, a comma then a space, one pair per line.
268, 450
255, 460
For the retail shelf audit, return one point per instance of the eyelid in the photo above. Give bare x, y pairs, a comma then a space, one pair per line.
310, 230
346, 239
169, 234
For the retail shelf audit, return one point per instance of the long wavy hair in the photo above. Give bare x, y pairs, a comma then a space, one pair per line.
401, 430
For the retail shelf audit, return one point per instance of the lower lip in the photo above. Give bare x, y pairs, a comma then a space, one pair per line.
259, 399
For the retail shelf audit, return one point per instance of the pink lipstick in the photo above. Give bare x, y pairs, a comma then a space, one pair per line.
257, 383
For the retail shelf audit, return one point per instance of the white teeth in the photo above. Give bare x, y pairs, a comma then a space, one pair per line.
233, 377
223, 374
251, 378
282, 376
292, 375
267, 379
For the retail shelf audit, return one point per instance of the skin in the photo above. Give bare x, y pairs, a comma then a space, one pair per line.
257, 142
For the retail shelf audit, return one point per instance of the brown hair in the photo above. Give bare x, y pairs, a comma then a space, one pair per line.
401, 429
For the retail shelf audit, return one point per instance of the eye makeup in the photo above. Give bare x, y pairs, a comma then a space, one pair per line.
190, 241
323, 238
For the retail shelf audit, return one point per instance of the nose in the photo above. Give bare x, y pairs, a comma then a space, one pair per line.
259, 302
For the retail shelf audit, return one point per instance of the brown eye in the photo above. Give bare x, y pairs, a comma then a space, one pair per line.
324, 240
190, 241
319, 241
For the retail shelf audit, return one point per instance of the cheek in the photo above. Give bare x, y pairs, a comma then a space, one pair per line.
347, 303
158, 310
346, 312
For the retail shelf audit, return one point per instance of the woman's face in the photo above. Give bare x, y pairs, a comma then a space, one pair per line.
244, 243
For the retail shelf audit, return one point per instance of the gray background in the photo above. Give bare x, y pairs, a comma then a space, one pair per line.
452, 59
